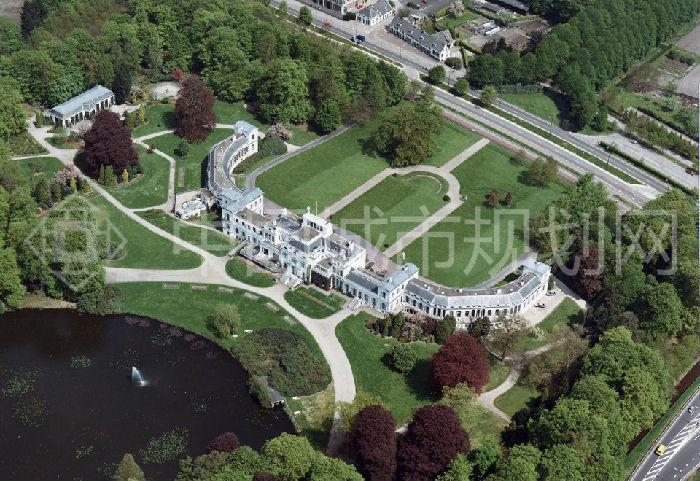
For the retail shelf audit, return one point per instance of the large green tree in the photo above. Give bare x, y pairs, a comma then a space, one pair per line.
283, 93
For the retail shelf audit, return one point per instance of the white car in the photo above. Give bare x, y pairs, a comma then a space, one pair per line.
633, 141
551, 293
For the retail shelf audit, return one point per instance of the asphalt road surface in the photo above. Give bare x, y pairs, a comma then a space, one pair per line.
682, 455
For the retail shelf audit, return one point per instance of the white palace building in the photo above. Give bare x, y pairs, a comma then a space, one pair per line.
309, 249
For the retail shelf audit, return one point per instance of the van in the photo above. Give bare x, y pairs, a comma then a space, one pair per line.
660, 449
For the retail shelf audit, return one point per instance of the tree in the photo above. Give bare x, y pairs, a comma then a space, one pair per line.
408, 134
11, 289
660, 311
224, 443
349, 411
521, 464
373, 443
508, 199
283, 93
454, 62
327, 116
182, 149
128, 470
33, 13
562, 463
433, 439
461, 87
12, 117
507, 331
436, 75
589, 275
542, 171
194, 111
224, 321
459, 469
121, 85
10, 36
461, 359
402, 358
480, 327
488, 96
492, 198
324, 468
484, 458
305, 17
283, 6
108, 143
444, 328
289, 457
600, 121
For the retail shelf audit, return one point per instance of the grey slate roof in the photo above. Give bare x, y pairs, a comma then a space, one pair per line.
376, 10
85, 101
436, 41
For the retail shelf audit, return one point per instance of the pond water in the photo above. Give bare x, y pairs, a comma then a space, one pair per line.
69, 409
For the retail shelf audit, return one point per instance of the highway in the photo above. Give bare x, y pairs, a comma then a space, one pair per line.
634, 194
682, 455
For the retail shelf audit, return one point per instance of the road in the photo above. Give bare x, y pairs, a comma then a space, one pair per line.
682, 456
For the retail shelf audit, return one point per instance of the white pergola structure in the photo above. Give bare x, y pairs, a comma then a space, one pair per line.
81, 107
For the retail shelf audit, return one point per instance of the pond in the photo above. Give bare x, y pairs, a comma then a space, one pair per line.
69, 409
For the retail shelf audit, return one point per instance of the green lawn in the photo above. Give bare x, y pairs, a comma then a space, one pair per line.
498, 372
211, 241
516, 398
320, 176
158, 117
453, 139
164, 301
402, 394
542, 104
37, 168
149, 189
136, 246
237, 269
313, 303
559, 320
447, 22
452, 253
393, 207
194, 163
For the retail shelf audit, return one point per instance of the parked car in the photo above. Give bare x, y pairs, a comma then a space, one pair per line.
540, 305
551, 293
633, 141
691, 171
327, 24
660, 449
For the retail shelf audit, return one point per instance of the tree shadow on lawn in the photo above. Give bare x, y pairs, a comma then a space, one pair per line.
420, 382
167, 119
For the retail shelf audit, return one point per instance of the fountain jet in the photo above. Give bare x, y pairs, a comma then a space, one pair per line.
137, 377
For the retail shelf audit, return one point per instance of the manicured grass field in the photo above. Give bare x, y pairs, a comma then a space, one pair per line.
36, 168
194, 163
213, 242
564, 315
320, 176
516, 398
158, 117
137, 246
541, 104
453, 139
313, 303
447, 22
149, 189
239, 270
393, 207
165, 302
402, 394
452, 253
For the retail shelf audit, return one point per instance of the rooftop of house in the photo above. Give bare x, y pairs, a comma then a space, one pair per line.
375, 10
253, 217
437, 41
84, 101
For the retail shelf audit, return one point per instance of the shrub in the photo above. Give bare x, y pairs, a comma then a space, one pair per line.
542, 171
402, 358
224, 321
224, 443
454, 62
444, 328
286, 358
183, 147
461, 359
373, 443
433, 439
446, 198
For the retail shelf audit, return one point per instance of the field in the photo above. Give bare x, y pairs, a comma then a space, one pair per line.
320, 176
313, 303
498, 373
36, 168
239, 270
453, 139
213, 242
516, 398
394, 207
545, 105
138, 247
149, 189
453, 252
447, 22
164, 302
194, 163
556, 323
162, 117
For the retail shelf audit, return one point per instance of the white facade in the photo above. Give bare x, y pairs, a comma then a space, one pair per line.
308, 249
437, 45
81, 107
376, 13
